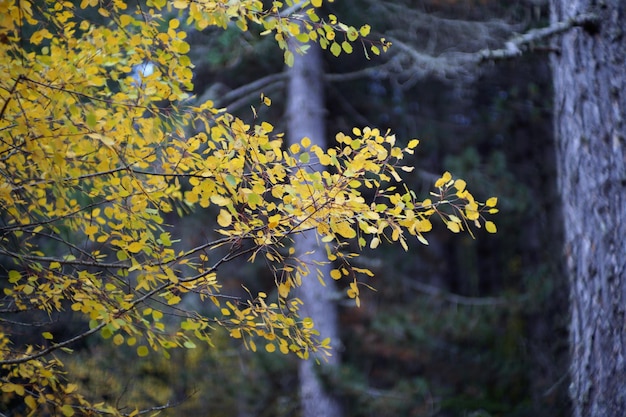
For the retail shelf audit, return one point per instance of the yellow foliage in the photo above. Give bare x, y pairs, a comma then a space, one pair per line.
90, 151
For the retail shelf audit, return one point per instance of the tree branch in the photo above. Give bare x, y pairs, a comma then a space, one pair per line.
163, 287
243, 90
515, 46
457, 62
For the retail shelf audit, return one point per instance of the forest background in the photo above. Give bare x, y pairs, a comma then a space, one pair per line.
463, 326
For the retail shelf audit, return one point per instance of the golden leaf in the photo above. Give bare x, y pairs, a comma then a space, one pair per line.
224, 218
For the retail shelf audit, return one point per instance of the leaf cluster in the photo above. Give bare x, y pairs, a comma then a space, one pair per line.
95, 156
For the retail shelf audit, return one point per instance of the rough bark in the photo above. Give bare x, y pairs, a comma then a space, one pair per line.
305, 111
589, 69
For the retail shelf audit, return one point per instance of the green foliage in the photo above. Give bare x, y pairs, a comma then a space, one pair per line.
94, 161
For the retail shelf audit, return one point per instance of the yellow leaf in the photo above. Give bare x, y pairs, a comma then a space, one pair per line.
224, 219
67, 410
30, 402
91, 229
165, 239
135, 247
344, 229
14, 276
353, 34
491, 202
283, 290
174, 300
220, 200
346, 46
445, 178
70, 388
316, 3
460, 185
289, 58
267, 127
181, 47
142, 351
270, 347
47, 335
490, 227
424, 226
38, 36
125, 20
471, 211
335, 274
303, 38
118, 339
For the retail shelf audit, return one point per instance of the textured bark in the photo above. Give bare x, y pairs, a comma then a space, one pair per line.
589, 71
305, 111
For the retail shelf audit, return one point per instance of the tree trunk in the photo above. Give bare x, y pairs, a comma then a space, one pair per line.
589, 69
305, 111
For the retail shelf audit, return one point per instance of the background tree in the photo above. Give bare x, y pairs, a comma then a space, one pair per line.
306, 118
590, 103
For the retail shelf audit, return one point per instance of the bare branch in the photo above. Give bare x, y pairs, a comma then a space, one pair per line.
516, 46
410, 60
244, 90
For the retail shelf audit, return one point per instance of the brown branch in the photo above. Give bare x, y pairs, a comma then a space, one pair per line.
71, 179
163, 287
93, 98
11, 91
244, 90
53, 347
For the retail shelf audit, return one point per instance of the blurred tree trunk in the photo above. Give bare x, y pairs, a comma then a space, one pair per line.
306, 117
589, 70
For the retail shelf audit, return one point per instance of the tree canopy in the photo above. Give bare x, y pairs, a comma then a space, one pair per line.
101, 142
